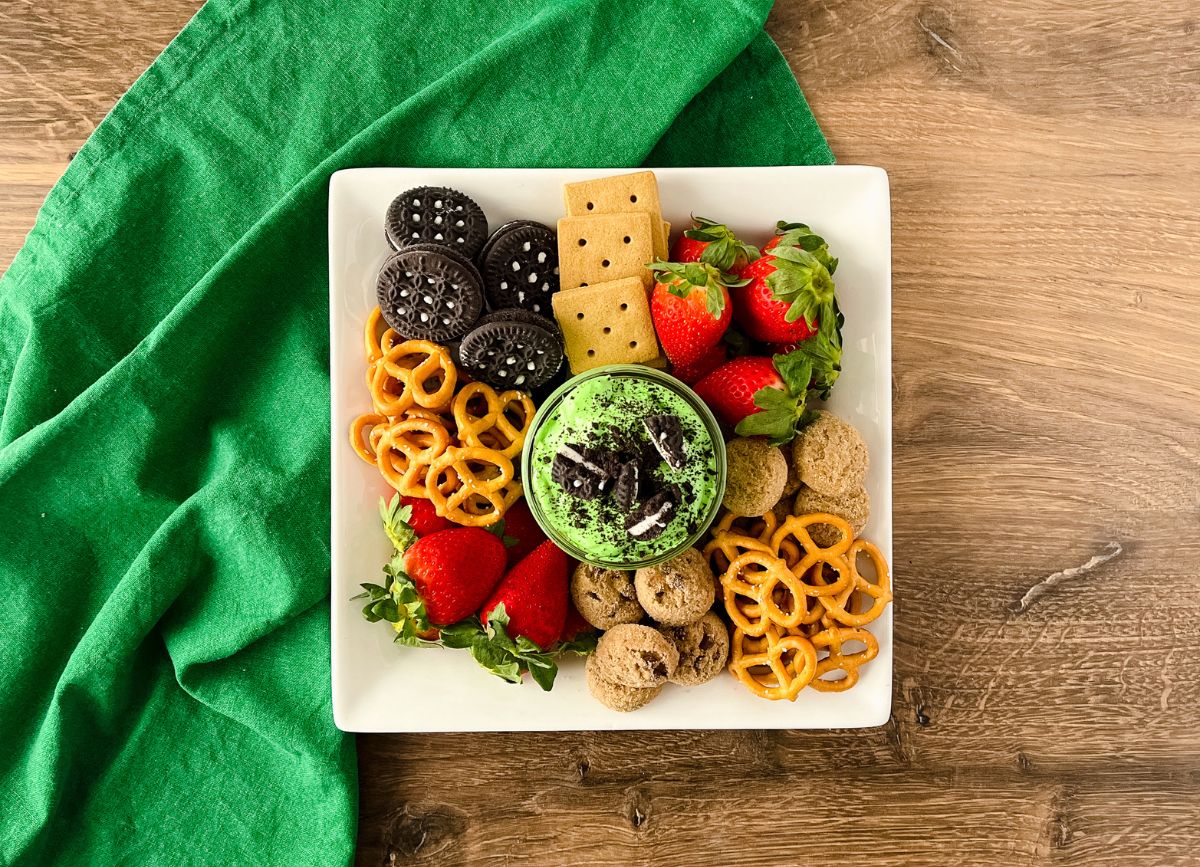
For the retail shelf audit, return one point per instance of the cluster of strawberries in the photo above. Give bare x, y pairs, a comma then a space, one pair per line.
501, 592
756, 332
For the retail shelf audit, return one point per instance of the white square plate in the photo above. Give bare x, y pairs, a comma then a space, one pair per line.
379, 686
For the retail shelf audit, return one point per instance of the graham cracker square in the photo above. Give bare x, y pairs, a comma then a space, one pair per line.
605, 247
606, 323
634, 192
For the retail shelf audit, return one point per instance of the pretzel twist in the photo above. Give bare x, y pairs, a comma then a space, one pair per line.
412, 372
774, 665
406, 449
472, 485
831, 640
761, 592
368, 423
496, 427
792, 601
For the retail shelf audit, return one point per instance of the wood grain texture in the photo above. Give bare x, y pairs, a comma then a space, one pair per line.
1045, 166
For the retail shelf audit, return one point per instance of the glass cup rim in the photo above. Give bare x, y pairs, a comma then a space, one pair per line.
690, 397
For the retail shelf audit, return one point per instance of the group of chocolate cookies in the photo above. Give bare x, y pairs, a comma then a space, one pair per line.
824, 470
658, 628
612, 230
487, 297
627, 475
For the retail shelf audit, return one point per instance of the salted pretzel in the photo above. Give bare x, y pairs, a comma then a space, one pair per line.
371, 335
405, 451
879, 593
831, 641
723, 548
761, 527
775, 665
782, 589
366, 424
761, 592
412, 372
471, 485
733, 535
504, 421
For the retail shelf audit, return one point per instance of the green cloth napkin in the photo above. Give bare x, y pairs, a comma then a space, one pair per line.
164, 389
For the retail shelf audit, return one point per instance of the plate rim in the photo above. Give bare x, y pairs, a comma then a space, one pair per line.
345, 716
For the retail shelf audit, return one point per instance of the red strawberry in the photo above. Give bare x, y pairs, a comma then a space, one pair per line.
713, 244
424, 519
521, 532
690, 306
534, 596
729, 390
687, 249
574, 625
789, 287
760, 396
454, 571
706, 364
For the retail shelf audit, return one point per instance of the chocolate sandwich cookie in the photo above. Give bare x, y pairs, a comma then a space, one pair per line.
512, 354
516, 314
583, 472
429, 293
499, 233
666, 435
436, 215
649, 519
628, 485
520, 267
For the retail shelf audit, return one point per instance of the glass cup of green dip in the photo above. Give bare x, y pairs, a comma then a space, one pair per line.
595, 425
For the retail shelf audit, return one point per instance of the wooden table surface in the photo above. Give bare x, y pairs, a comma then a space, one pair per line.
1045, 167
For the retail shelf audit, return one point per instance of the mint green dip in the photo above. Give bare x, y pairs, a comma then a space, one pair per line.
605, 410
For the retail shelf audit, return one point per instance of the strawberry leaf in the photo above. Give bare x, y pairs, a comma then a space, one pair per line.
781, 409
681, 279
824, 350
583, 644
796, 370
495, 650
395, 523
800, 280
724, 250
462, 634
800, 235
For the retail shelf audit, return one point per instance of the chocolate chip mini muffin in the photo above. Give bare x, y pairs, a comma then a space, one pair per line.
830, 455
605, 597
678, 591
703, 649
757, 476
635, 656
854, 506
615, 696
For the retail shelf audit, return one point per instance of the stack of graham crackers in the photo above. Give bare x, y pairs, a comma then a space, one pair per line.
612, 229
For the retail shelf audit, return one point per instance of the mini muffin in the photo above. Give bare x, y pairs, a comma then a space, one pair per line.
783, 509
793, 482
636, 656
604, 597
830, 455
613, 695
854, 507
676, 592
703, 649
756, 476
